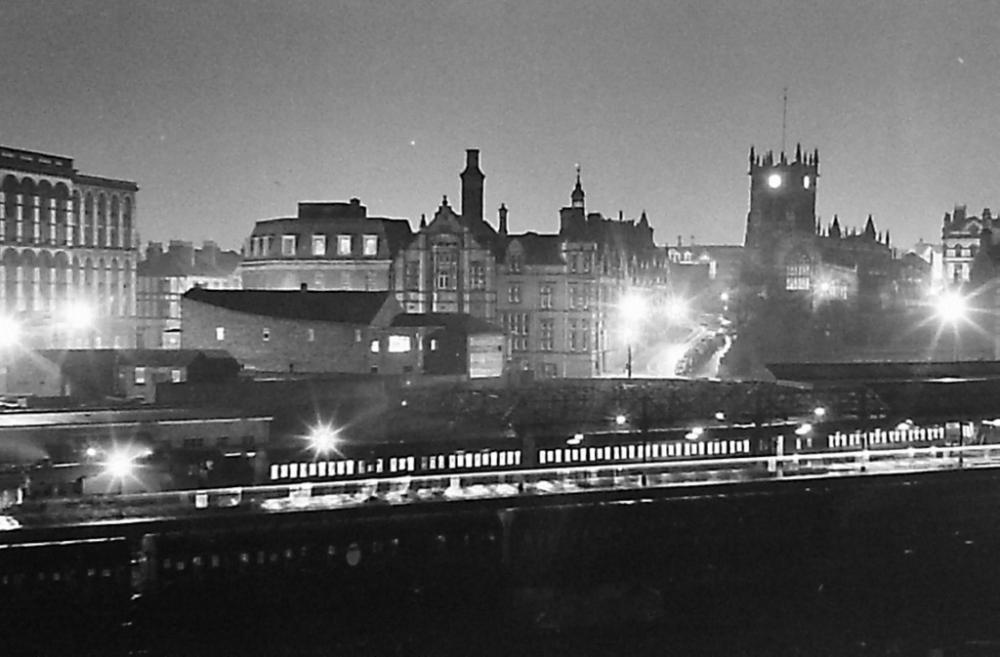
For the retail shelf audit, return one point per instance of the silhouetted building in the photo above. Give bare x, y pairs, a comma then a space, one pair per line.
67, 252
961, 240
163, 276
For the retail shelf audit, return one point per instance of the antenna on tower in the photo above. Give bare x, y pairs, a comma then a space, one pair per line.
784, 116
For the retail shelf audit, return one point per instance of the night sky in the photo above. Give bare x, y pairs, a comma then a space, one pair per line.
230, 112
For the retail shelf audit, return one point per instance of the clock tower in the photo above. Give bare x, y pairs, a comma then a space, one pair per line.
782, 197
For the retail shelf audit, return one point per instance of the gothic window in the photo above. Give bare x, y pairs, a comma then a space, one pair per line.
798, 272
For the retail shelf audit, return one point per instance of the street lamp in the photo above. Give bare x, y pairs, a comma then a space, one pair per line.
323, 439
952, 308
10, 331
633, 309
119, 466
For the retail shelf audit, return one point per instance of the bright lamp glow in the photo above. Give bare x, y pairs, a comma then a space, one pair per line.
119, 464
323, 438
952, 307
694, 433
632, 306
819, 411
79, 315
677, 309
803, 429
10, 331
620, 419
774, 181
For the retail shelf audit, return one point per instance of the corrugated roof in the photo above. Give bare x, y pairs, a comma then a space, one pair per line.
344, 307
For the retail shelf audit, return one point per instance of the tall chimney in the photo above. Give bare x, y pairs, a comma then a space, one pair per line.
472, 187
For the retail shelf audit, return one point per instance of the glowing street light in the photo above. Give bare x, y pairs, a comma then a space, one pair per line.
323, 438
79, 315
620, 419
10, 331
819, 412
952, 307
632, 307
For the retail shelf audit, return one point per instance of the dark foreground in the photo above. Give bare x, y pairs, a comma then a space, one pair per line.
894, 565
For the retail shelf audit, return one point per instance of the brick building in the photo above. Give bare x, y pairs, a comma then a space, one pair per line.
67, 252
297, 331
163, 276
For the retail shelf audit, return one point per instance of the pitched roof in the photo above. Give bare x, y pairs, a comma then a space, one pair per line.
344, 307
541, 249
460, 322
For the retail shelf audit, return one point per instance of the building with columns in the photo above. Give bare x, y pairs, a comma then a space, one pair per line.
68, 253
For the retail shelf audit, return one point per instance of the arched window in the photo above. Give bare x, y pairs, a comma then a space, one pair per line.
127, 222
115, 222
88, 220
798, 272
102, 220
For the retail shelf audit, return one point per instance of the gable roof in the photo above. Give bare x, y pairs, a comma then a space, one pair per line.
540, 249
343, 307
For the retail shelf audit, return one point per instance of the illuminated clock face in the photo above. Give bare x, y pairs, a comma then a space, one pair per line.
774, 181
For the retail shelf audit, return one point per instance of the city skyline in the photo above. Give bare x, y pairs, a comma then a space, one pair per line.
227, 114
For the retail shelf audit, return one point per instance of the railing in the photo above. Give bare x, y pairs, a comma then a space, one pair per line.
421, 489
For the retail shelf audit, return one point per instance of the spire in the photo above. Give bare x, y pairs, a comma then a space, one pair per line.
798, 153
444, 200
503, 219
887, 243
576, 198
870, 228
423, 220
643, 221
835, 227
753, 156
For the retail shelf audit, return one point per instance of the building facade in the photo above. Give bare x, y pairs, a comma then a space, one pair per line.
450, 265
960, 241
326, 246
559, 294
297, 332
164, 275
68, 252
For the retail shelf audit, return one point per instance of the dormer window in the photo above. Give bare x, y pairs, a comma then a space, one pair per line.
288, 245
371, 245
319, 245
343, 245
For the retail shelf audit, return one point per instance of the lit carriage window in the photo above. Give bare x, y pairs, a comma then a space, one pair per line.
275, 470
293, 470
283, 473
312, 469
321, 469
477, 460
410, 463
517, 458
451, 461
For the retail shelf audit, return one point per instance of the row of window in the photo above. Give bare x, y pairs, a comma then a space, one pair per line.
395, 464
516, 325
262, 245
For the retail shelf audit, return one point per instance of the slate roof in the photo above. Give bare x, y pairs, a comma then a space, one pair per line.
343, 307
460, 322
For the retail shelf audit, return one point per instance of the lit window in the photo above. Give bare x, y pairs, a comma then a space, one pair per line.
343, 245
288, 244
220, 333
374, 347
176, 376
545, 296
399, 344
514, 294
371, 245
265, 334
806, 182
311, 335
140, 376
357, 335
319, 245
434, 344
798, 274
477, 276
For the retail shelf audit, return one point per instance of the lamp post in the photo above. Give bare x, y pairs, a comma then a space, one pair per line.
952, 308
633, 309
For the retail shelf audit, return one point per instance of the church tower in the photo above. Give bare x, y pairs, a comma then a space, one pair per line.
782, 197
